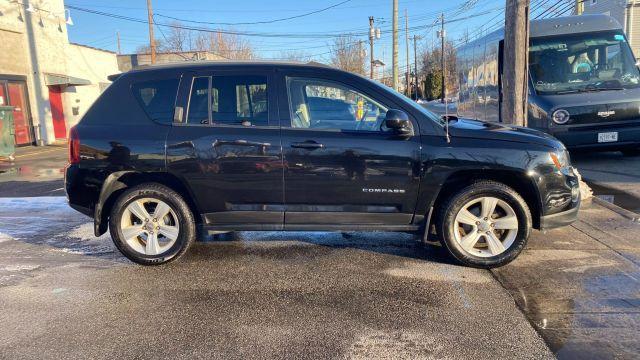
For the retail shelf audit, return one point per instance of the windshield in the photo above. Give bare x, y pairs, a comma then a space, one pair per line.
582, 62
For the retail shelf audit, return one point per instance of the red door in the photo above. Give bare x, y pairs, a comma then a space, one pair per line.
55, 98
18, 99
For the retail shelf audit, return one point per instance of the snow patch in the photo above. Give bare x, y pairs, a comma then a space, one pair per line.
5, 238
18, 267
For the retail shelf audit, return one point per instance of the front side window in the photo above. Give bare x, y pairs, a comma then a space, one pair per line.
324, 104
582, 62
229, 100
157, 98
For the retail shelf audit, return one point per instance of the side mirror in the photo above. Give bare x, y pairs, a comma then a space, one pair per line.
449, 117
398, 121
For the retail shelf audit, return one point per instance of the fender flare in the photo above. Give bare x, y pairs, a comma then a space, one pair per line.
111, 184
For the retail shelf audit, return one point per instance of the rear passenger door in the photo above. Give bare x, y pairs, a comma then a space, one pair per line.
225, 144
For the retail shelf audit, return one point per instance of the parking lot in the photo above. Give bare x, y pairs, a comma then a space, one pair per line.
574, 292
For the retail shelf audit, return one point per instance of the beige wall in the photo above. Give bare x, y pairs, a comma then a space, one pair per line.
627, 12
129, 62
34, 44
90, 64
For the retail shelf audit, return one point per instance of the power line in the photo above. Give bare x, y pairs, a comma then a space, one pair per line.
257, 22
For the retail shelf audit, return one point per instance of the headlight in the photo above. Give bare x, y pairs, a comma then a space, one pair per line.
560, 159
560, 116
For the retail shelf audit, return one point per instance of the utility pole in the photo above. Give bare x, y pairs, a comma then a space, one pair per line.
118, 39
152, 40
415, 63
516, 57
443, 64
579, 7
372, 35
395, 46
406, 41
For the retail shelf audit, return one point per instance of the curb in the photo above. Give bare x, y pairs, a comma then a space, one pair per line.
617, 209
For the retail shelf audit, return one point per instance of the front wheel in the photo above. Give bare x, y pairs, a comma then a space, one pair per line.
485, 225
151, 224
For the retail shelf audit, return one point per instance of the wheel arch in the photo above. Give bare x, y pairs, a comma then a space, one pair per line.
117, 182
516, 180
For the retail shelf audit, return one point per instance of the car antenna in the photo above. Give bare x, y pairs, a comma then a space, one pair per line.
446, 120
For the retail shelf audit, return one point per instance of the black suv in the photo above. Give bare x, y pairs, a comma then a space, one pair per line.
228, 146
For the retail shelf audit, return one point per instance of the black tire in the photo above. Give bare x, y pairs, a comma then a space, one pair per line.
631, 152
451, 207
186, 235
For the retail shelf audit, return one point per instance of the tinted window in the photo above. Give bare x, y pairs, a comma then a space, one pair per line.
198, 112
322, 104
231, 100
240, 99
157, 98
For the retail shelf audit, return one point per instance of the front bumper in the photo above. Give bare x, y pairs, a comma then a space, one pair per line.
560, 219
587, 138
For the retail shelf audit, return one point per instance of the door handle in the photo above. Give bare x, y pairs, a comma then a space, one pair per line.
310, 145
239, 143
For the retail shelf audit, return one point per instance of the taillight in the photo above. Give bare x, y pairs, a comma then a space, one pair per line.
74, 146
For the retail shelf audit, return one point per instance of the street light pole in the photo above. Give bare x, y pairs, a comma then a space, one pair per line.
415, 63
442, 59
372, 35
152, 40
395, 46
406, 41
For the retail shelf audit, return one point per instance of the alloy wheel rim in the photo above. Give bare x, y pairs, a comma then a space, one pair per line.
486, 227
149, 226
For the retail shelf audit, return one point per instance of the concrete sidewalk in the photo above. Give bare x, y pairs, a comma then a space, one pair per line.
580, 286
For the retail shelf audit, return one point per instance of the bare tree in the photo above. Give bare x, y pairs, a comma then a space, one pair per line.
349, 54
178, 39
294, 55
230, 46
224, 44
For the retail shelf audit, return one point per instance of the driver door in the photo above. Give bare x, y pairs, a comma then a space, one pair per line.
340, 166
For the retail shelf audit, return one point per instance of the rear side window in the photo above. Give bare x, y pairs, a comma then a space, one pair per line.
157, 98
229, 100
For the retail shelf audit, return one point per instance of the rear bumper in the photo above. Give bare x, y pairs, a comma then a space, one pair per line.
628, 137
560, 219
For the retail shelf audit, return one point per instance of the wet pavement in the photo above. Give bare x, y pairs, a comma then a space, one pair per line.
580, 286
36, 171
613, 177
66, 294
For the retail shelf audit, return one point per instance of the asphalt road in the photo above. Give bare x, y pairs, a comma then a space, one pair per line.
65, 294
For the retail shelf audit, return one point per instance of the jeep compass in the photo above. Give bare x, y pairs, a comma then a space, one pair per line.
230, 146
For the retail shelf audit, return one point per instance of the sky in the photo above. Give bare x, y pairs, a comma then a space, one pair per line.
312, 34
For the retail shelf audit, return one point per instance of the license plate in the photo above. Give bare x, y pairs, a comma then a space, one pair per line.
608, 137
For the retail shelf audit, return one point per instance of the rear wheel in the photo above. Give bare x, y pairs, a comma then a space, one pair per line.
486, 224
151, 224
